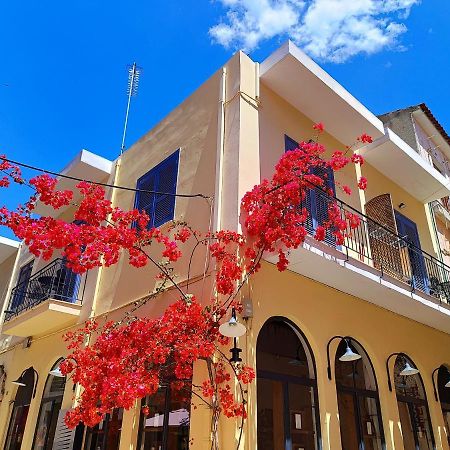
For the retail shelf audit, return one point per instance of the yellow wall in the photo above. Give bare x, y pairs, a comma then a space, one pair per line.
320, 313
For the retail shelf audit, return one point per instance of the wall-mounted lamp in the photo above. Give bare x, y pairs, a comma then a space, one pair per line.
232, 328
21, 380
446, 385
401, 205
408, 370
56, 372
349, 354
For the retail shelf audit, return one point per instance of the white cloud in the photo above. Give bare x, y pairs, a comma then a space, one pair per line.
330, 30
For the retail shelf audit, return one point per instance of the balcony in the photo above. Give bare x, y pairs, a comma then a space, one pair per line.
375, 264
49, 300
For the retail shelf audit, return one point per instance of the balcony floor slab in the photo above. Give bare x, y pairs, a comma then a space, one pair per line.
48, 316
329, 266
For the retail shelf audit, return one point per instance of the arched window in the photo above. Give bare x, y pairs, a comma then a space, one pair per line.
48, 414
19, 413
412, 407
287, 404
358, 402
443, 379
165, 420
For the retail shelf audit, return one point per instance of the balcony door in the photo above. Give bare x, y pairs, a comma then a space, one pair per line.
21, 286
407, 229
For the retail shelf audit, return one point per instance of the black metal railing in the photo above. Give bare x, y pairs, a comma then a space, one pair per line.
378, 246
54, 281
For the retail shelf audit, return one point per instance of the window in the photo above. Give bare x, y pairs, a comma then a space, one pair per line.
413, 408
19, 413
49, 411
162, 178
166, 425
105, 435
316, 201
287, 405
359, 406
444, 397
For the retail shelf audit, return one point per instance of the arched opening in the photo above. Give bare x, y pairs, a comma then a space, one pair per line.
443, 380
287, 403
412, 407
20, 409
48, 413
358, 402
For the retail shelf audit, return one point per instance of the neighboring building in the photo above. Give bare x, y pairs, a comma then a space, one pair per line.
386, 290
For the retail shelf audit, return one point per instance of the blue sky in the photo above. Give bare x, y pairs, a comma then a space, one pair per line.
63, 65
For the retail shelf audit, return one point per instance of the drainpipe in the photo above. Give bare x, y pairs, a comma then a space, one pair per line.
220, 152
436, 235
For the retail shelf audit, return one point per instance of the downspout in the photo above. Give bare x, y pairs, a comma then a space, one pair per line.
436, 235
220, 152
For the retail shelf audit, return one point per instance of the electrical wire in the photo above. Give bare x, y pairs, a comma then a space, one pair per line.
113, 186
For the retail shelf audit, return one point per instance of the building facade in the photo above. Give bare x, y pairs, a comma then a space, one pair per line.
351, 345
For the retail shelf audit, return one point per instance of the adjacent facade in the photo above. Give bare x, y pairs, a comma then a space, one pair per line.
351, 344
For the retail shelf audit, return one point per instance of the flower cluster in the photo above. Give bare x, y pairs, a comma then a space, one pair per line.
123, 361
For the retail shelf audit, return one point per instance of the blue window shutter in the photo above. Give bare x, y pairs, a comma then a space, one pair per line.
289, 143
162, 178
166, 181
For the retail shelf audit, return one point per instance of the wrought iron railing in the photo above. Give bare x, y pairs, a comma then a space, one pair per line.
380, 247
54, 281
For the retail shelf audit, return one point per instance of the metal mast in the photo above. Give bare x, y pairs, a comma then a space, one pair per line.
134, 73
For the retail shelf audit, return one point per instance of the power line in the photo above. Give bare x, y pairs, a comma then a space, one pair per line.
113, 186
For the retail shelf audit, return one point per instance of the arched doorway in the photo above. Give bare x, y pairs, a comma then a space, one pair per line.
443, 380
19, 413
412, 407
287, 403
358, 402
48, 414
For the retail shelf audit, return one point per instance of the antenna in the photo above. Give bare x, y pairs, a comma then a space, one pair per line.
134, 72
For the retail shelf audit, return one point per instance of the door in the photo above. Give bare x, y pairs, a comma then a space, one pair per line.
407, 229
286, 415
21, 286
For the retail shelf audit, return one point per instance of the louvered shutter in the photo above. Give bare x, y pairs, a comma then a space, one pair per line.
320, 201
387, 251
166, 181
289, 143
408, 230
145, 200
64, 436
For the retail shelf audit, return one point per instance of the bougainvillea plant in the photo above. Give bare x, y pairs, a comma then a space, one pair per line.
118, 362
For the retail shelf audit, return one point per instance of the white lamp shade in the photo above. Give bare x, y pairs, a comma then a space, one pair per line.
349, 355
447, 385
56, 372
232, 328
408, 370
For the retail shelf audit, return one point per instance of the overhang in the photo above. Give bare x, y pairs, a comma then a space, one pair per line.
7, 248
86, 166
395, 159
301, 82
